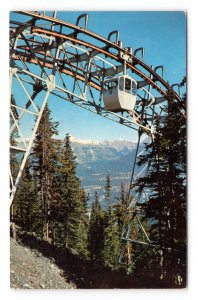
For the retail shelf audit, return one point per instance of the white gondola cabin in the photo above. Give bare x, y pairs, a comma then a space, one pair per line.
120, 93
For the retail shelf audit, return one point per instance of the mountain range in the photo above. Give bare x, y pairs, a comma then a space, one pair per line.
96, 160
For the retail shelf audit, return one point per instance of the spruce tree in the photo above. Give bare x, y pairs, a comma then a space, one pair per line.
96, 231
174, 134
166, 207
111, 231
111, 243
84, 224
26, 205
72, 202
121, 212
44, 159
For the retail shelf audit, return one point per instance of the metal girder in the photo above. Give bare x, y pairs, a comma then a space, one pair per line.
92, 84
50, 83
18, 149
71, 97
125, 257
142, 84
108, 71
38, 56
83, 57
137, 172
82, 66
138, 242
106, 53
109, 44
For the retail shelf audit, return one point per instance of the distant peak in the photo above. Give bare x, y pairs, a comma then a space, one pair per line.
119, 140
73, 139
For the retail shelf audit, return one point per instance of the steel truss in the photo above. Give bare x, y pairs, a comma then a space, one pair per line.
133, 230
51, 57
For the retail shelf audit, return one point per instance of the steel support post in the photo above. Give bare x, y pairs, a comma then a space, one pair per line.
50, 87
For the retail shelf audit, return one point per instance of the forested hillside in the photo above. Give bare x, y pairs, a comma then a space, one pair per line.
52, 204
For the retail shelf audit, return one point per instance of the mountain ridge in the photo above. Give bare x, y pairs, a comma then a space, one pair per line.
97, 160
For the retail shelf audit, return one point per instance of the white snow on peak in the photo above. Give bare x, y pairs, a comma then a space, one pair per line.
74, 139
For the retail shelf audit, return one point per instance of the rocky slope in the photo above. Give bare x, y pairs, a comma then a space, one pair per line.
36, 264
31, 270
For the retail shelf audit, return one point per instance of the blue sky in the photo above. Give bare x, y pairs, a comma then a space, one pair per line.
162, 34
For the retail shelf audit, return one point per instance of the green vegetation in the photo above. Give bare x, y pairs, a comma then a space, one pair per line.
166, 207
51, 203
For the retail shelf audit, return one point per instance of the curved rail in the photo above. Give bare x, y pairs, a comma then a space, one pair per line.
34, 47
109, 44
36, 52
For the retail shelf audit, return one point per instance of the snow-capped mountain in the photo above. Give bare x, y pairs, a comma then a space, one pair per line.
96, 160
90, 151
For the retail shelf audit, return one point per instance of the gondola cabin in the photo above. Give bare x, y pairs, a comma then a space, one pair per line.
120, 93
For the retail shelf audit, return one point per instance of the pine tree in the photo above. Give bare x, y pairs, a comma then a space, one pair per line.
121, 212
44, 161
166, 208
111, 243
108, 201
174, 134
72, 203
96, 230
84, 224
26, 206
111, 231
108, 197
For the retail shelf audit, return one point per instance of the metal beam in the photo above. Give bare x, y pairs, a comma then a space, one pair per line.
138, 242
108, 71
50, 86
110, 44
83, 57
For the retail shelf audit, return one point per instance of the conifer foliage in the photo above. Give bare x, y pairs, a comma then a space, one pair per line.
72, 207
111, 231
166, 182
96, 230
44, 163
51, 202
26, 205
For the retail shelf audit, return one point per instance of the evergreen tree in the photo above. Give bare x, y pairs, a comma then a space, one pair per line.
111, 231
174, 135
166, 208
108, 191
111, 242
27, 208
84, 224
108, 201
72, 203
44, 163
96, 233
121, 212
